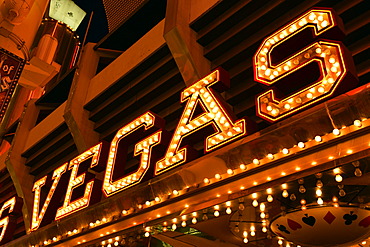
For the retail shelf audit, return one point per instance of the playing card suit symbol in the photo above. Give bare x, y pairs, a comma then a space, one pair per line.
309, 220
365, 222
283, 228
349, 218
293, 225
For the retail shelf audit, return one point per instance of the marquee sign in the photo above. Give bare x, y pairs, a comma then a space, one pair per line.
330, 56
204, 111
11, 67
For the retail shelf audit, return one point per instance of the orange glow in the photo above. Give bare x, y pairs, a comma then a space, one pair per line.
38, 215
76, 181
143, 147
200, 94
328, 55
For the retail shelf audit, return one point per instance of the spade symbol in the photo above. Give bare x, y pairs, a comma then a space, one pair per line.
349, 218
283, 229
309, 220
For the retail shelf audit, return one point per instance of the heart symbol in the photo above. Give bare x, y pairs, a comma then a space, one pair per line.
365, 222
293, 225
309, 220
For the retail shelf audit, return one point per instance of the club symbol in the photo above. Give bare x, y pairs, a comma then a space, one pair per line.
349, 218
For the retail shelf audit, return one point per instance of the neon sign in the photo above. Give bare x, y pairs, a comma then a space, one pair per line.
204, 110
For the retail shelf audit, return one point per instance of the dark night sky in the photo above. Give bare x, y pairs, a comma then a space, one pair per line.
99, 25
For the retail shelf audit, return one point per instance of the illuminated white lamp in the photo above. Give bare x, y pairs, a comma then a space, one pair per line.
336, 132
270, 198
285, 193
255, 203
270, 156
228, 210
256, 161
183, 224
218, 176
301, 144
245, 240
262, 215
285, 151
318, 138
243, 167
320, 201
338, 178
280, 242
254, 195
230, 171
319, 192
262, 207
357, 123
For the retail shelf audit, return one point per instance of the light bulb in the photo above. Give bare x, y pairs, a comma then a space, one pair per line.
358, 172
342, 192
264, 229
293, 197
236, 229
229, 211
262, 207
205, 217
255, 203
285, 193
194, 220
319, 183
338, 178
320, 201
270, 198
319, 192
245, 240
216, 213
302, 189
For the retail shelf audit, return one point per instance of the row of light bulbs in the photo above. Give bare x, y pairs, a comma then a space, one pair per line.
317, 140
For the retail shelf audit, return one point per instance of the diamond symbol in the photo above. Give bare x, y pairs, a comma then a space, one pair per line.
329, 217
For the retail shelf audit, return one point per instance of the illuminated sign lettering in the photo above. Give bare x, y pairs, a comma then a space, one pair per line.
215, 114
143, 148
8, 213
37, 214
91, 194
329, 55
204, 110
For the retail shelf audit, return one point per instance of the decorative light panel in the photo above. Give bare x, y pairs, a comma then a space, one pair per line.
329, 56
78, 180
37, 214
143, 147
214, 114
